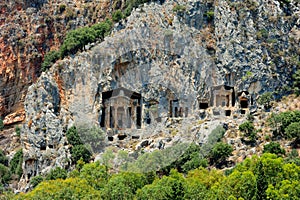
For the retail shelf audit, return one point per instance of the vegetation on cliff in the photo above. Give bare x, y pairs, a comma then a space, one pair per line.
265, 177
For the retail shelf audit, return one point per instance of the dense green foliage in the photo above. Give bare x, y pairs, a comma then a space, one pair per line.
50, 58
36, 180
80, 151
1, 124
16, 163
5, 174
296, 83
274, 147
71, 188
3, 158
265, 177
286, 124
57, 173
77, 39
265, 100
117, 15
18, 131
248, 129
73, 136
220, 152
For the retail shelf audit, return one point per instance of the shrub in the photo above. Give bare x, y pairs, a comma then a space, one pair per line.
71, 188
57, 173
92, 136
102, 29
73, 136
50, 58
80, 151
16, 163
274, 147
281, 122
220, 152
296, 83
5, 174
117, 16
210, 15
18, 131
36, 180
249, 130
1, 124
265, 100
3, 158
293, 130
179, 9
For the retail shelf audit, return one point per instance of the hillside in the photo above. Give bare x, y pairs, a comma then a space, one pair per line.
168, 73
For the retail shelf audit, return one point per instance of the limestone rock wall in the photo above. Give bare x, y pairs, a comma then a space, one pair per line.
162, 54
29, 29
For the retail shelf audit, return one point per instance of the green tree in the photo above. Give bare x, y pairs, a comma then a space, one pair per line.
36, 180
16, 163
123, 186
71, 188
238, 185
73, 136
248, 129
293, 131
102, 29
50, 58
3, 158
93, 137
57, 173
265, 100
1, 124
274, 147
296, 83
95, 174
117, 15
80, 151
220, 152
5, 174
168, 187
280, 122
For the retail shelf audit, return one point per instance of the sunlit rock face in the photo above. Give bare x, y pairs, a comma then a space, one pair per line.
172, 59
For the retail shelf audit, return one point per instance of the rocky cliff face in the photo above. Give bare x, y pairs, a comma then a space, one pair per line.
29, 29
164, 52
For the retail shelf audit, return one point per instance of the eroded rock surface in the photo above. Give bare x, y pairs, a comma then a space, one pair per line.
163, 55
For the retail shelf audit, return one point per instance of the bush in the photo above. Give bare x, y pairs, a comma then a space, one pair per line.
18, 131
50, 58
210, 15
71, 188
16, 163
281, 122
179, 9
248, 129
93, 137
117, 16
274, 147
1, 124
3, 158
220, 152
73, 136
296, 83
265, 100
80, 151
102, 29
57, 173
5, 174
36, 180
293, 130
